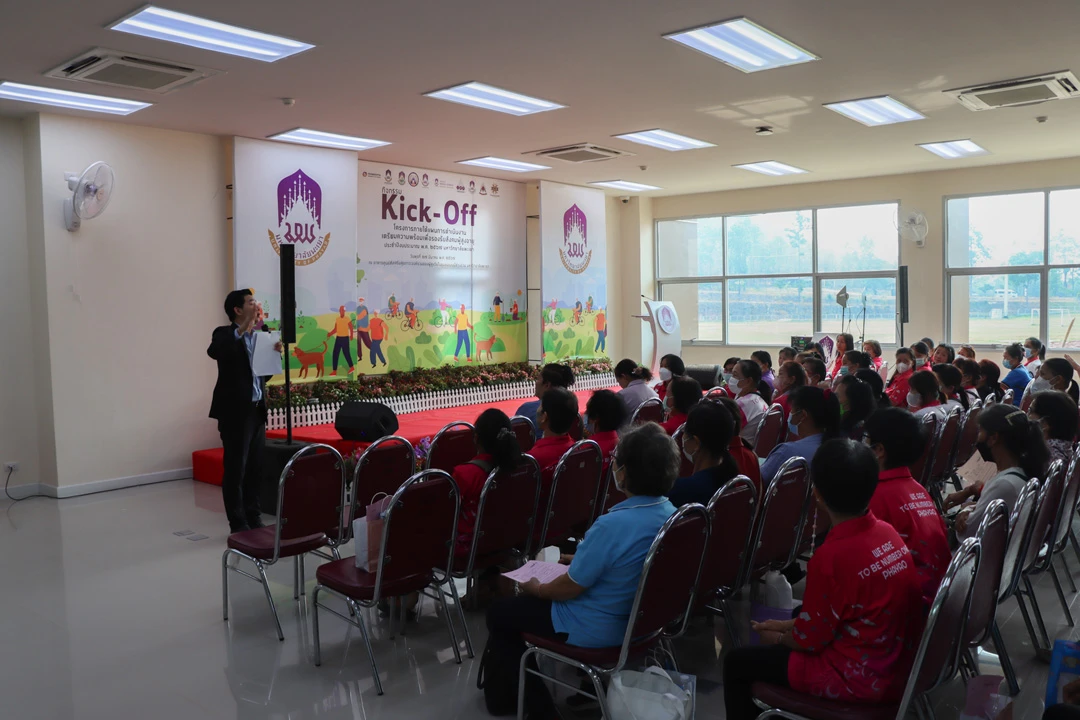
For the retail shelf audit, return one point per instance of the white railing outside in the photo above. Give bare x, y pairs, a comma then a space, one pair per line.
318, 413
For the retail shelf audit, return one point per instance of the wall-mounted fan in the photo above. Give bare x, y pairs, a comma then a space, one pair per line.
90, 194
913, 226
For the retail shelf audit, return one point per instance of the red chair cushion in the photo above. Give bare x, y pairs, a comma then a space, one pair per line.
344, 577
815, 708
259, 543
601, 657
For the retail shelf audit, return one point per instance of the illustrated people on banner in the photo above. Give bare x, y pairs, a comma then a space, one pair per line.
363, 323
410, 312
497, 304
551, 311
588, 305
379, 330
444, 311
463, 326
343, 334
577, 312
601, 331
514, 311
392, 305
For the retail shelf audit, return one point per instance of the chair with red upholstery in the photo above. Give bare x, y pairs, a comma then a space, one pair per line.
942, 463
418, 536
771, 430
383, 466
920, 469
454, 445
312, 514
612, 495
571, 500
526, 433
1021, 526
652, 410
716, 393
1050, 497
965, 444
779, 528
1067, 510
665, 596
577, 430
686, 466
732, 512
935, 661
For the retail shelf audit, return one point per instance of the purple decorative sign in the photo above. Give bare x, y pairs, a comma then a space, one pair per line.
575, 252
299, 204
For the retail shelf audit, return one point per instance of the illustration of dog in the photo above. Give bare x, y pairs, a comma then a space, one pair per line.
307, 359
485, 346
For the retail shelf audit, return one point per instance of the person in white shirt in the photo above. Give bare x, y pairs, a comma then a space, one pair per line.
749, 390
634, 381
1034, 355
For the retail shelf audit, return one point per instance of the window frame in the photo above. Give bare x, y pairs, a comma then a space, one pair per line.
815, 277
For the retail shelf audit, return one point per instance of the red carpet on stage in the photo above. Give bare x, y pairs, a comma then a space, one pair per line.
414, 427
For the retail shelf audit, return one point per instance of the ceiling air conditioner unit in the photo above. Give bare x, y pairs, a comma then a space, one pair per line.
132, 72
1021, 91
580, 153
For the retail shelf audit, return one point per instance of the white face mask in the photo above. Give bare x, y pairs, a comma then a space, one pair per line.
914, 399
1040, 384
733, 384
665, 374
687, 454
902, 368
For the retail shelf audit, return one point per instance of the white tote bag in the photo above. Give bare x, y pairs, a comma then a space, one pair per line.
648, 695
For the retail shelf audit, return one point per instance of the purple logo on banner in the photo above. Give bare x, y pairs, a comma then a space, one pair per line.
575, 253
299, 221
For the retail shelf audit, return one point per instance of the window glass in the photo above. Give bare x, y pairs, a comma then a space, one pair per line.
880, 318
996, 230
859, 238
769, 311
770, 244
994, 309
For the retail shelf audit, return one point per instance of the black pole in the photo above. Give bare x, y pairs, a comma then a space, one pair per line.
288, 396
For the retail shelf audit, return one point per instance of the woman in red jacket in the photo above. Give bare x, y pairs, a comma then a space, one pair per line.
899, 383
605, 413
684, 394
497, 447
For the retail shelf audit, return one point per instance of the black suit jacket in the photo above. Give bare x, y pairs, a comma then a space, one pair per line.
232, 393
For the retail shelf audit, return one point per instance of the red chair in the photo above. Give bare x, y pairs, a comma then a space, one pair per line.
612, 495
941, 466
716, 393
419, 533
571, 501
526, 433
312, 514
935, 661
665, 595
771, 430
686, 467
778, 534
732, 513
920, 470
577, 430
1036, 555
1066, 511
381, 469
453, 445
652, 410
1021, 526
969, 435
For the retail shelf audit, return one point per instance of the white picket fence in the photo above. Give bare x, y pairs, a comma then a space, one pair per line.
318, 413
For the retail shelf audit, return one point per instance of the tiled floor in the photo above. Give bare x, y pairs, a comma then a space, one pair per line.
107, 614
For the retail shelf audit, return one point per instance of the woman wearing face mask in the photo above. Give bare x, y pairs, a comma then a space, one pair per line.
684, 394
856, 405
706, 439
1034, 355
969, 377
1054, 374
764, 360
921, 353
604, 415
671, 366
1016, 446
925, 395
989, 384
1056, 415
845, 343
899, 383
1012, 359
750, 392
951, 380
729, 366
790, 376
815, 418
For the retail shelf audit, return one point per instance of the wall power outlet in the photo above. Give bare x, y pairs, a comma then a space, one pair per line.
12, 466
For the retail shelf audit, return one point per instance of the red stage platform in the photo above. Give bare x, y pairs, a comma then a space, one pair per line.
414, 427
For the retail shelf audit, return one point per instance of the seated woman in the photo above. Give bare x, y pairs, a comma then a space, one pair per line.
633, 379
1053, 374
925, 395
989, 384
685, 393
969, 377
552, 375
861, 607
604, 415
856, 404
952, 386
750, 393
764, 360
921, 351
1056, 415
790, 376
943, 354
558, 411
786, 354
815, 418
899, 384
497, 447
815, 371
1034, 355
877, 387
590, 605
873, 349
966, 351
845, 343
896, 438
729, 367
745, 459
1012, 359
1015, 444
671, 366
706, 437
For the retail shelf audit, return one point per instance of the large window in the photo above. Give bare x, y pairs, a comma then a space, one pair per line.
760, 279
1013, 267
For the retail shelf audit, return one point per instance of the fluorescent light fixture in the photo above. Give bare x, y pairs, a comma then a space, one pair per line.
171, 26
952, 149
502, 164
876, 111
665, 140
493, 98
304, 136
743, 45
68, 99
625, 185
771, 167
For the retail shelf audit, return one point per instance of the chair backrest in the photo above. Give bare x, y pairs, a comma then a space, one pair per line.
612, 495
382, 467
936, 659
506, 514
771, 430
969, 433
420, 527
716, 393
1021, 523
577, 430
453, 445
1049, 501
652, 410
574, 489
947, 435
1008, 398
526, 433
993, 537
686, 466
732, 512
1067, 507
784, 507
669, 577
1025, 400
920, 470
311, 496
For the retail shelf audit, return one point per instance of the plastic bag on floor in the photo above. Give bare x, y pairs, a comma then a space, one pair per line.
649, 695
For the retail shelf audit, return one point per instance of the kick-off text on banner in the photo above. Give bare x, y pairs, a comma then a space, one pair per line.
428, 244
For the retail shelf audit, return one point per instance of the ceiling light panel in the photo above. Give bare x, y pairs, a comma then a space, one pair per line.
172, 26
744, 45
876, 111
68, 99
305, 136
502, 164
625, 185
953, 149
493, 98
665, 140
771, 167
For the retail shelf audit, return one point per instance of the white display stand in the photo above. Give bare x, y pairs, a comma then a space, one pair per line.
663, 320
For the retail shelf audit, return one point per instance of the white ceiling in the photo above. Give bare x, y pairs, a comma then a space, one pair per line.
607, 61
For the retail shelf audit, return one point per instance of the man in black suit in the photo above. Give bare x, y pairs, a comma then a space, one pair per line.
239, 406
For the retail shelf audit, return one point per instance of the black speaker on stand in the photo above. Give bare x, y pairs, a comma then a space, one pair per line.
279, 452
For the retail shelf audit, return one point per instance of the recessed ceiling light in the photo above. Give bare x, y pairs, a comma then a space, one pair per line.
68, 99
325, 139
502, 164
665, 140
493, 98
771, 167
171, 26
743, 45
952, 149
876, 111
625, 185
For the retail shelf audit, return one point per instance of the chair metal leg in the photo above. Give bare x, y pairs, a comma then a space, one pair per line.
521, 684
225, 585
315, 624
270, 599
1068, 573
1037, 611
303, 573
1027, 620
733, 631
450, 624
1060, 593
1006, 663
928, 708
1075, 544
461, 616
367, 645
296, 578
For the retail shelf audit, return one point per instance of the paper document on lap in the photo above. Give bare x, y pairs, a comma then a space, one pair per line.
545, 572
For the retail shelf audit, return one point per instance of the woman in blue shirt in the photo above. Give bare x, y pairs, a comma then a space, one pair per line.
551, 376
589, 606
1019, 377
814, 418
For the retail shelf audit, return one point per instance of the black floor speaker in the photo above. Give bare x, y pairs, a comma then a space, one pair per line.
365, 421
